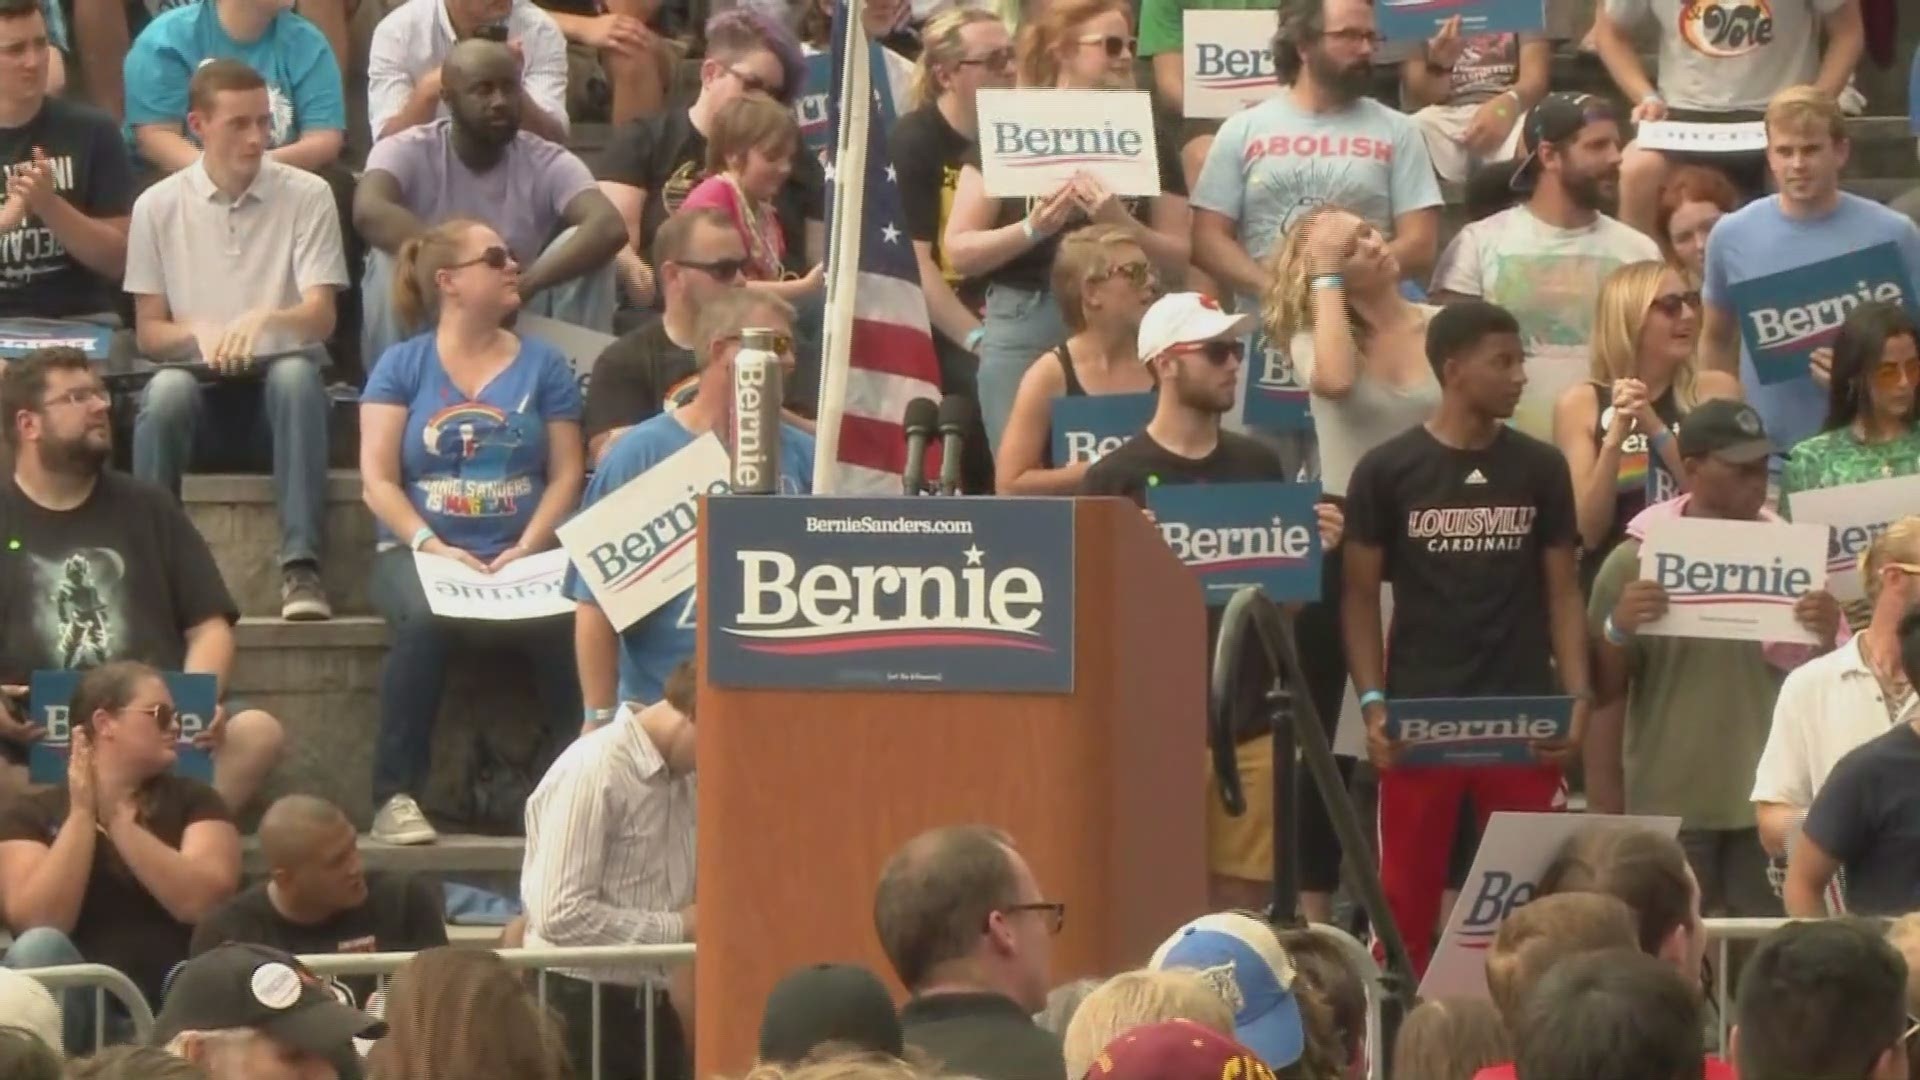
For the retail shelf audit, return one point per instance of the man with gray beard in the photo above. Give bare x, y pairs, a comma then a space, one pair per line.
99, 566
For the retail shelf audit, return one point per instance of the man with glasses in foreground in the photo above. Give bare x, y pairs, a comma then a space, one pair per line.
479, 163
116, 865
1194, 350
99, 566
650, 165
970, 935
698, 255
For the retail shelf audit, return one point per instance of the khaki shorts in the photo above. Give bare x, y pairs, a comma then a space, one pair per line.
1242, 847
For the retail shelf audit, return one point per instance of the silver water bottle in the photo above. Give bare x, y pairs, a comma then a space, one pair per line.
756, 414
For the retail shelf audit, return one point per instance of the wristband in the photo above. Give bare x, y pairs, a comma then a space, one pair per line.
1372, 697
1659, 440
420, 538
1652, 96
1614, 635
597, 716
974, 337
1026, 228
1328, 281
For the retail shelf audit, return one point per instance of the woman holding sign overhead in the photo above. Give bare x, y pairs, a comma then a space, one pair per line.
1010, 242
1870, 432
470, 453
1617, 429
1103, 282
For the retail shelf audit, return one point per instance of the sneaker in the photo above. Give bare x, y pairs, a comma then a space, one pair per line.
302, 598
1852, 101
401, 822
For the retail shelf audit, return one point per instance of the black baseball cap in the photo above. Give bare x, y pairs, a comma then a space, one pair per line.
1557, 118
253, 986
1728, 430
828, 1003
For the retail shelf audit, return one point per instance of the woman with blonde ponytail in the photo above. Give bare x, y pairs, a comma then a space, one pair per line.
1010, 243
469, 451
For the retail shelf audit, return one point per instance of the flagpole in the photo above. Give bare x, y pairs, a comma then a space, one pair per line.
843, 247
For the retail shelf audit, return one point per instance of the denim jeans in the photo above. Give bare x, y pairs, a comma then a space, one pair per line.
415, 673
235, 424
45, 947
1021, 324
588, 301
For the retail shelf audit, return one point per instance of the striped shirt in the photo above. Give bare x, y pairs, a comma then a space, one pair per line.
609, 849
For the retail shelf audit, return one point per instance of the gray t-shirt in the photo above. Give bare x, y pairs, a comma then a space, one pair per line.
1730, 55
524, 197
1370, 414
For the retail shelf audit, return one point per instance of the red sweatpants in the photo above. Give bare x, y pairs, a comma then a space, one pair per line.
1419, 810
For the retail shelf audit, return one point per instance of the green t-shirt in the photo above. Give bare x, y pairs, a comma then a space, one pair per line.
1698, 712
1161, 26
1837, 458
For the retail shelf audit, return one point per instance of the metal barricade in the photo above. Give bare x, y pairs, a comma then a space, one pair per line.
1375, 982
540, 961
102, 980
1720, 933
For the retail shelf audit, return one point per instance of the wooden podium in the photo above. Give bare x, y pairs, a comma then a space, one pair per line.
804, 794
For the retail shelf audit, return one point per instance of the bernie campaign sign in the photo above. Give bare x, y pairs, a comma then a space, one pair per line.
911, 594
49, 693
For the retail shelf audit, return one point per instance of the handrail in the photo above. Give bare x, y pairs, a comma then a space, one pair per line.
103, 980
581, 956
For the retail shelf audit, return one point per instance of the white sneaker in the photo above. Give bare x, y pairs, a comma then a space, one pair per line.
1852, 102
401, 822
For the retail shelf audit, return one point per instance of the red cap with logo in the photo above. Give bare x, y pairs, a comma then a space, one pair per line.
1176, 1050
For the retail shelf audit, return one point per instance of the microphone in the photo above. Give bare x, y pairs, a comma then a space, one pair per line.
921, 419
956, 412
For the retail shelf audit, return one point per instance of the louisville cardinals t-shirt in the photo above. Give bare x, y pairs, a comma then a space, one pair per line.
1461, 533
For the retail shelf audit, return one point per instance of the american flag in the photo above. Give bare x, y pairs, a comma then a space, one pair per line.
878, 353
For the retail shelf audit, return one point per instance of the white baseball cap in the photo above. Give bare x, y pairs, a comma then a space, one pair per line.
1186, 318
28, 1006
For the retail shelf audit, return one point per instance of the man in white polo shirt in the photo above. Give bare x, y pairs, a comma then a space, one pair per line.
1851, 695
233, 262
409, 45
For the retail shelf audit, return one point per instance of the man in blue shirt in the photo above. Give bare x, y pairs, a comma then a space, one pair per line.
1808, 222
303, 80
644, 654
1909, 204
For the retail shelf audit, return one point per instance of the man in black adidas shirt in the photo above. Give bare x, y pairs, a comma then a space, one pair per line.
1473, 524
1194, 348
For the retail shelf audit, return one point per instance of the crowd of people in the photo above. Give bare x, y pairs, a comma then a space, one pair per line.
252, 202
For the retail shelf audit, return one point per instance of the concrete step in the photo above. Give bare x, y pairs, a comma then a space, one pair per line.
238, 517
322, 680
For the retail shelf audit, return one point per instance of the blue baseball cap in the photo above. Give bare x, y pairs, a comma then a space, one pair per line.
1242, 960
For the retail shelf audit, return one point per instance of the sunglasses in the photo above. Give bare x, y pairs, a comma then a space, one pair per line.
1138, 274
1115, 45
494, 258
165, 716
1895, 375
754, 84
1216, 352
1669, 304
997, 60
723, 269
782, 343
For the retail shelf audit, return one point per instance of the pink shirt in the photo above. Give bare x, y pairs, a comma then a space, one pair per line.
767, 250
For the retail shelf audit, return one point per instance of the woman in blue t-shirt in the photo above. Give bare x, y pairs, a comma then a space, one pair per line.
470, 450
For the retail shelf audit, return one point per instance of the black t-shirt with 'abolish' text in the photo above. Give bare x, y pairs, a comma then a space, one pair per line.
1462, 533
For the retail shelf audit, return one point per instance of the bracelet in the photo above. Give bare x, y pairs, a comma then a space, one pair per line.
1652, 96
420, 538
1614, 635
1659, 440
1026, 228
974, 337
1328, 281
1581, 695
597, 716
1372, 697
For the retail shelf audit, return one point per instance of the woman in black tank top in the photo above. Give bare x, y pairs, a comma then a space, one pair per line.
1104, 283
1617, 430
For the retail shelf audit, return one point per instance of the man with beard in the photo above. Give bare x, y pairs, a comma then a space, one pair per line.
148, 588
478, 163
1321, 141
1544, 259
1808, 222
1473, 523
1194, 350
